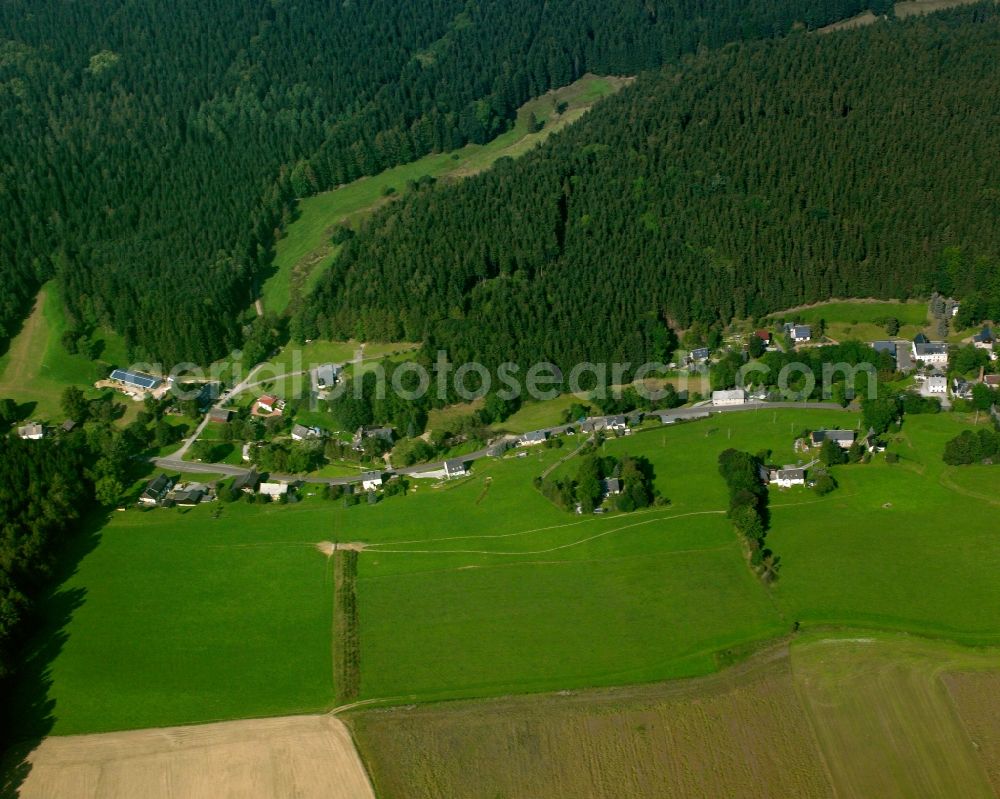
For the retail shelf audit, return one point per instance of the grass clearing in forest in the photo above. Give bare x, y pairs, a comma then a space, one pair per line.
860, 319
36, 368
305, 251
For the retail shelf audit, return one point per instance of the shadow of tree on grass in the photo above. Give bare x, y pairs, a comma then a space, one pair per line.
27, 709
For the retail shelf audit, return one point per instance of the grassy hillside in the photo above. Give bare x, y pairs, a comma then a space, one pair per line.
480, 587
305, 250
862, 319
37, 368
180, 617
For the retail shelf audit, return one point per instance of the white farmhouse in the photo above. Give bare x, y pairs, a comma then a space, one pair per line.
788, 477
937, 384
735, 396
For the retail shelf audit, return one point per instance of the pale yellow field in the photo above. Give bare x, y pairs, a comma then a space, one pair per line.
977, 697
301, 756
911, 8
884, 719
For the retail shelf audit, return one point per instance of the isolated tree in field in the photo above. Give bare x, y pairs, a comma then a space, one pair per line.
824, 484
202, 450
892, 326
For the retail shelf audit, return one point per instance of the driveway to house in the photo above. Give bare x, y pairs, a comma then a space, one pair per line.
246, 384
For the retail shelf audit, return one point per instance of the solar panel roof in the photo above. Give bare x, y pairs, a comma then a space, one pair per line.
135, 378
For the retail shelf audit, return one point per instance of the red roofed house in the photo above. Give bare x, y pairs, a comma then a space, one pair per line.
267, 404
763, 335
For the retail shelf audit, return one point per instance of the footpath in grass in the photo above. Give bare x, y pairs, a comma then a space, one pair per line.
306, 250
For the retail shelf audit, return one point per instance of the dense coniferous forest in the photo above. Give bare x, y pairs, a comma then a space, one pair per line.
748, 180
149, 151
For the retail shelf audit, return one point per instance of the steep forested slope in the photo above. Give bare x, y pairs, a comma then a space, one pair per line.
149, 149
750, 179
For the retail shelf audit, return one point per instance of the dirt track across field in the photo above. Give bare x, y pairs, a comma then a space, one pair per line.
301, 756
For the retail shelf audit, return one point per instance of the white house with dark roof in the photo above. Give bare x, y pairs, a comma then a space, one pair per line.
617, 423
984, 340
699, 355
303, 433
326, 376
455, 467
937, 384
884, 347
135, 380
611, 486
386, 434
370, 481
930, 353
843, 438
155, 490
32, 431
533, 439
788, 476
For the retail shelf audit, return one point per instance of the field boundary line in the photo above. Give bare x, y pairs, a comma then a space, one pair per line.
551, 549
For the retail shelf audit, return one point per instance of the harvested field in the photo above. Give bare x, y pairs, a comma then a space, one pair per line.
884, 719
911, 8
301, 756
741, 733
977, 697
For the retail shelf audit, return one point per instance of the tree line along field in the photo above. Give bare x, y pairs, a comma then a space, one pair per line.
834, 715
480, 587
306, 250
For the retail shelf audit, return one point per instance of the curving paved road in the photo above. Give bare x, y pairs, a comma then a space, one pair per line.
175, 462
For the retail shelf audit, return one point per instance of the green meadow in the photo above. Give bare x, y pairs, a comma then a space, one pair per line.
908, 546
480, 587
305, 251
36, 368
860, 319
183, 617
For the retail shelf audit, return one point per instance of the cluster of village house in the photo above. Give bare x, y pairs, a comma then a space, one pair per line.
793, 475
161, 491
920, 352
930, 357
